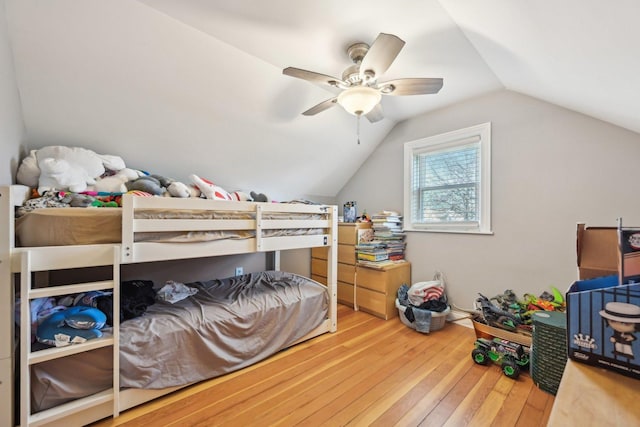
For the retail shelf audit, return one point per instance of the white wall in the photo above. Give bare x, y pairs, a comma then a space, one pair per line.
11, 124
551, 168
173, 100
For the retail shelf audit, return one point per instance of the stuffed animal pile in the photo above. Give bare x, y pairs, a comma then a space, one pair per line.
78, 170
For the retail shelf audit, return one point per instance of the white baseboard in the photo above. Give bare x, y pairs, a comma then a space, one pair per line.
460, 318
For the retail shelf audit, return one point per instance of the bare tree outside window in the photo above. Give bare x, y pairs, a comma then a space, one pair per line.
448, 185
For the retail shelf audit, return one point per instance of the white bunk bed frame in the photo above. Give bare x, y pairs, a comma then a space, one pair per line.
26, 260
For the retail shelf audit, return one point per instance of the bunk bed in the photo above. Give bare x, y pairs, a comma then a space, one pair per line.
151, 229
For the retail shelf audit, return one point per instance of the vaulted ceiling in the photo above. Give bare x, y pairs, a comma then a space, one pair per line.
196, 86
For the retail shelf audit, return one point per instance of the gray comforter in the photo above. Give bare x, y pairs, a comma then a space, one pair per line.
229, 324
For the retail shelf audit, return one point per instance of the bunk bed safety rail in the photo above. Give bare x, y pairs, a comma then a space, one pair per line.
266, 212
265, 226
242, 218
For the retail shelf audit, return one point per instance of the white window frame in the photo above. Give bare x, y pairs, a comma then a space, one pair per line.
457, 138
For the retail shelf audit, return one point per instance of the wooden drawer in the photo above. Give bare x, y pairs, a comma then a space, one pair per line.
319, 267
320, 252
345, 293
380, 305
376, 303
347, 234
347, 273
347, 254
385, 281
319, 279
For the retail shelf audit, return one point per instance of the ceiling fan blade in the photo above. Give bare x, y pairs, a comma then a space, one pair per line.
376, 114
313, 77
381, 54
402, 87
324, 105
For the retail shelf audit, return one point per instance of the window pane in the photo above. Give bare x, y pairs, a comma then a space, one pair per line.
446, 185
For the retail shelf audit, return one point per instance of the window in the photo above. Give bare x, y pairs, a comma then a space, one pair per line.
448, 182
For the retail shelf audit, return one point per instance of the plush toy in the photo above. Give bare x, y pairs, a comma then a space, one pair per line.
102, 300
112, 163
148, 184
97, 203
259, 197
209, 189
139, 193
116, 183
28, 171
176, 188
59, 174
74, 324
80, 200
163, 180
64, 167
241, 196
179, 189
82, 162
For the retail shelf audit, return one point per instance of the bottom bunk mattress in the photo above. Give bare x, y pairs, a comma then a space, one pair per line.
227, 325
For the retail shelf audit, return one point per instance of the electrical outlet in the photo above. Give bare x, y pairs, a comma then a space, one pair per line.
239, 271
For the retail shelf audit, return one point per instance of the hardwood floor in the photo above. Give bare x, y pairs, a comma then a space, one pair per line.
371, 372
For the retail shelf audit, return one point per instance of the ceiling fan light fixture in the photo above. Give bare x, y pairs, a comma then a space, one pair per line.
359, 100
361, 91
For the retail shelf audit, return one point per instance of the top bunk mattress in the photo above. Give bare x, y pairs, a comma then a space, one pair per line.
69, 226
89, 226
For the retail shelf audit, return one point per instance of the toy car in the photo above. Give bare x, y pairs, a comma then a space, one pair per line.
511, 356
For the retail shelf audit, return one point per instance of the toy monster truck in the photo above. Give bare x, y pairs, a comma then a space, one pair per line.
511, 356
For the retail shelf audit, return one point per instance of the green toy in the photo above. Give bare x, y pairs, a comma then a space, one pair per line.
100, 204
511, 356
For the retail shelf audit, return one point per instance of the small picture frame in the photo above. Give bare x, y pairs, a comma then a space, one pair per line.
350, 212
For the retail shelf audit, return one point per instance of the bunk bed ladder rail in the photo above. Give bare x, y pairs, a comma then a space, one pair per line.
40, 259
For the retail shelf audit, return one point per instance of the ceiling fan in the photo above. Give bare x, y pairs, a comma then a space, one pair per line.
362, 91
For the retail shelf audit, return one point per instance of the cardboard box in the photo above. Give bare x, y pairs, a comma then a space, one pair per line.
594, 308
597, 250
603, 317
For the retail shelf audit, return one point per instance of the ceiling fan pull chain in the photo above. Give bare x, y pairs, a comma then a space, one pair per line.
358, 127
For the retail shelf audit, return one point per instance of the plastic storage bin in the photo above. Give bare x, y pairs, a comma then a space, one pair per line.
438, 319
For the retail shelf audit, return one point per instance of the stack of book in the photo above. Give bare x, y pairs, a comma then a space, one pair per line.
387, 244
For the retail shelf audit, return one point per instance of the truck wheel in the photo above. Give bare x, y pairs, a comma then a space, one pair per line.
510, 368
479, 356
